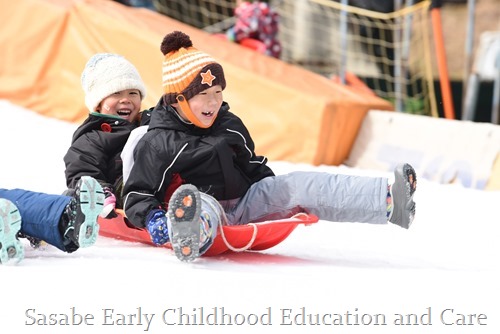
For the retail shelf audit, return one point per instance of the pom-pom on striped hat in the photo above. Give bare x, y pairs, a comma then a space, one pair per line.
186, 70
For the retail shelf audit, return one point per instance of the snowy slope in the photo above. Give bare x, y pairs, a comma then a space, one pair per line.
363, 278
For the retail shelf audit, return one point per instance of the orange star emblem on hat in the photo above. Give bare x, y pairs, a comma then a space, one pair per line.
207, 78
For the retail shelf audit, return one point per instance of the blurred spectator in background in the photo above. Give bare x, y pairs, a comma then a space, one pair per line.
257, 20
138, 3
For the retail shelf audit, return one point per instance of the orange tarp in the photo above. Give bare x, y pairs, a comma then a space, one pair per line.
293, 114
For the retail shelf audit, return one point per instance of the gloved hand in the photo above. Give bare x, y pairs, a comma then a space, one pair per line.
108, 209
156, 223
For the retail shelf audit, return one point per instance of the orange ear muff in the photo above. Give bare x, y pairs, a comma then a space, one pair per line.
184, 105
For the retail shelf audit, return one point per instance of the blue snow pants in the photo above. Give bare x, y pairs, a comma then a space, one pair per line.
40, 213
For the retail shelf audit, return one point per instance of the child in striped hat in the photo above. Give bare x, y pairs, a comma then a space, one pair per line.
199, 157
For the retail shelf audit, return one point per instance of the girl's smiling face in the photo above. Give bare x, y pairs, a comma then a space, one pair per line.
205, 105
125, 104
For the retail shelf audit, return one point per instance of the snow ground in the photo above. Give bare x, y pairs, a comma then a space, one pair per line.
441, 276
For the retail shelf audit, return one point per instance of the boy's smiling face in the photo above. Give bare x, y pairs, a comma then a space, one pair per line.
125, 104
205, 105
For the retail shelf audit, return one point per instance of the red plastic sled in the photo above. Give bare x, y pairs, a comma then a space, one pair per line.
258, 236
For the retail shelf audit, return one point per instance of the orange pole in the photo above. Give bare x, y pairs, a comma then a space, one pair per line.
444, 80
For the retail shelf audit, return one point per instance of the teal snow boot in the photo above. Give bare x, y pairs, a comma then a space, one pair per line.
79, 220
10, 224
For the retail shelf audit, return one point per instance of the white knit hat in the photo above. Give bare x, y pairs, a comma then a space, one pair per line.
107, 73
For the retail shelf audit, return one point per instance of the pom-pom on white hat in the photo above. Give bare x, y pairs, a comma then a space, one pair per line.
107, 73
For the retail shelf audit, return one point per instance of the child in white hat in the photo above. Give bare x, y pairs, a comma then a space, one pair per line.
114, 91
195, 145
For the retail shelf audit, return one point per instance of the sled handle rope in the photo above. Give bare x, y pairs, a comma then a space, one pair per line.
254, 235
218, 208
244, 248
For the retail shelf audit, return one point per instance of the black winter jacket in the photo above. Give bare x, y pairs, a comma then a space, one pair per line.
95, 150
219, 160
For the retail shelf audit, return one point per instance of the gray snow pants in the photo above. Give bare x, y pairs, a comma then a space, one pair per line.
333, 197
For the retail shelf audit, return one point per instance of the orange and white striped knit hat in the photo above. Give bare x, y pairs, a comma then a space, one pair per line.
186, 70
